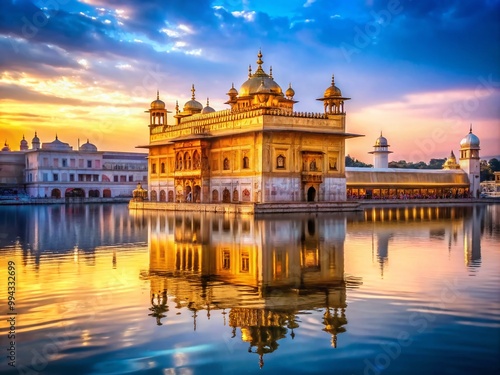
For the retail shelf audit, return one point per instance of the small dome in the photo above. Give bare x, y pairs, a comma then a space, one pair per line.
88, 147
6, 147
470, 140
207, 109
232, 91
332, 90
23, 145
381, 141
193, 105
35, 139
157, 104
290, 93
57, 145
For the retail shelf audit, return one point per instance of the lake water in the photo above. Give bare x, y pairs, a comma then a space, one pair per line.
101, 290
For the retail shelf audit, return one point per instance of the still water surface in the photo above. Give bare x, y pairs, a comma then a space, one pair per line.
99, 290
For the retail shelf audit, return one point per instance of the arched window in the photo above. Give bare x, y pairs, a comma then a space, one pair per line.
187, 161
153, 168
246, 195
236, 196
312, 165
170, 196
246, 162
163, 196
280, 162
226, 164
179, 161
196, 160
162, 168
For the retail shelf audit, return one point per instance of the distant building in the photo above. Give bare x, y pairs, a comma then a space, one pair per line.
455, 180
55, 170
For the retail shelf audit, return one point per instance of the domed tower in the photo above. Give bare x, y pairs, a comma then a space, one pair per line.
5, 147
157, 114
23, 145
469, 160
259, 90
381, 152
35, 142
333, 100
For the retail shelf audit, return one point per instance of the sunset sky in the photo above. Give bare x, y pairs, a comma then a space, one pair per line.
420, 71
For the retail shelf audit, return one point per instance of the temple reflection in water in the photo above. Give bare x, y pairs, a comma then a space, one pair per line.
262, 271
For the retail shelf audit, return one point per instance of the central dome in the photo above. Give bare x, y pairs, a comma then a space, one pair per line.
254, 81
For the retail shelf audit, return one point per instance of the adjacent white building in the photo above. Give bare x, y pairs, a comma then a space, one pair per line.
54, 169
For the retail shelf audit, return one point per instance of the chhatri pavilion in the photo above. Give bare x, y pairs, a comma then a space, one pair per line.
259, 154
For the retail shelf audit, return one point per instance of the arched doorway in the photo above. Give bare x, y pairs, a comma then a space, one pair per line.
226, 196
94, 193
215, 196
106, 193
163, 196
170, 196
154, 196
56, 193
311, 194
189, 193
197, 193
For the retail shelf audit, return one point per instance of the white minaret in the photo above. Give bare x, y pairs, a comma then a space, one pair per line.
469, 161
381, 153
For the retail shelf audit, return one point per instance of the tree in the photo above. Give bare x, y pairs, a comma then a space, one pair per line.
494, 165
353, 162
485, 172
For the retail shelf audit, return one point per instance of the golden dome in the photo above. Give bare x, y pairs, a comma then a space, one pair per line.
207, 109
290, 93
193, 105
254, 81
332, 90
232, 91
157, 104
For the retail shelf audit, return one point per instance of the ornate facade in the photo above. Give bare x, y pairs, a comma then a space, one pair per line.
258, 151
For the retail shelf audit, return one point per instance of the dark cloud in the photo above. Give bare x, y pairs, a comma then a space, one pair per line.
39, 59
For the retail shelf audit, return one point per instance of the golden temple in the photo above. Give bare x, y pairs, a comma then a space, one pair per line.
262, 156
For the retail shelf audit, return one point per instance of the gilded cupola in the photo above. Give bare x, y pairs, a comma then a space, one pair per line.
157, 104
193, 106
260, 90
260, 77
207, 108
333, 100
